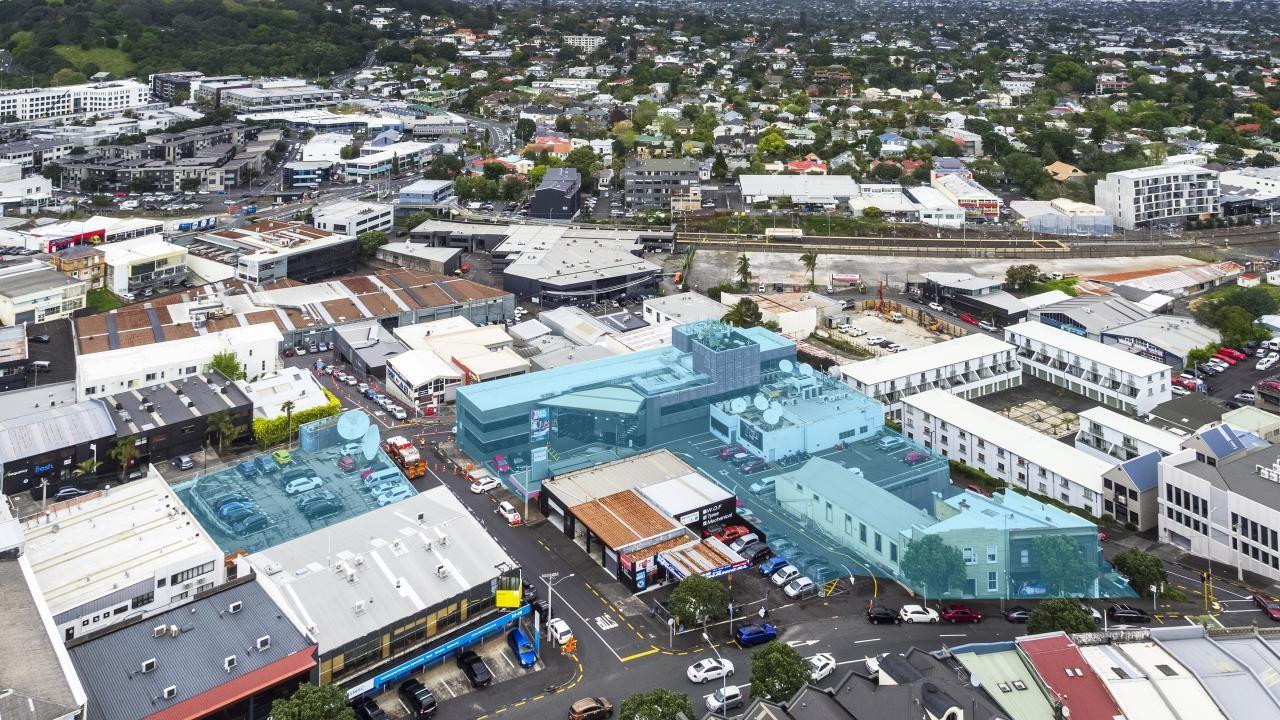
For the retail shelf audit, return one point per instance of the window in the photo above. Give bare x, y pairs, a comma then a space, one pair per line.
144, 599
878, 546
191, 572
1106, 484
993, 583
969, 556
848, 525
991, 553
1024, 556
828, 512
151, 377
862, 533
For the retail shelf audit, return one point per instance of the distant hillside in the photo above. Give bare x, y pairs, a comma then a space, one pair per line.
62, 41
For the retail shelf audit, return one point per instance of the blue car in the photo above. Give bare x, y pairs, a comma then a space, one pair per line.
522, 648
247, 470
772, 565
749, 635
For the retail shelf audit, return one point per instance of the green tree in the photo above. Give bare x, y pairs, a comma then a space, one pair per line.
369, 242
698, 600
1060, 614
656, 704
746, 313
873, 146
772, 143
100, 201
288, 407
720, 167
124, 451
512, 188
221, 425
494, 171
443, 167
1236, 325
932, 566
189, 184
887, 171
1020, 276
1143, 569
585, 161
311, 702
475, 187
777, 672
52, 172
744, 270
1263, 160
67, 76
1062, 564
525, 128
227, 363
86, 468
349, 152
871, 212
810, 262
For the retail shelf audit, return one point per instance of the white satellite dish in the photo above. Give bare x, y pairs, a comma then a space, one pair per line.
806, 369
786, 366
738, 405
761, 403
772, 415
369, 445
775, 405
352, 424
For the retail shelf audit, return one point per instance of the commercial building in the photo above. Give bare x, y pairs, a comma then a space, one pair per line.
420, 256
228, 653
557, 197
1060, 666
27, 387
1062, 216
682, 308
98, 229
39, 450
823, 190
143, 265
381, 587
34, 292
967, 294
1187, 281
275, 95
383, 161
1004, 449
1219, 498
1265, 180
1148, 683
306, 173
353, 217
1158, 195
85, 263
797, 314
23, 195
423, 195
70, 101
659, 183
31, 155
1111, 436
446, 353
366, 347
119, 554
1103, 373
272, 250
267, 395
1167, 339
586, 43
1131, 490
935, 208
1089, 315
1232, 668
172, 418
970, 366
1002, 665
978, 203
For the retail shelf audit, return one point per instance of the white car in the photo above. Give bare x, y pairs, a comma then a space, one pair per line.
873, 340
786, 575
559, 630
709, 669
820, 666
935, 307
302, 485
395, 494
799, 587
351, 380
398, 412
855, 331
1268, 361
508, 512
873, 664
916, 613
725, 698
484, 485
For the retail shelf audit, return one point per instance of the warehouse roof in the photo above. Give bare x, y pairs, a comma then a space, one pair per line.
623, 519
1236, 674
54, 429
1007, 678
1059, 663
798, 186
1148, 683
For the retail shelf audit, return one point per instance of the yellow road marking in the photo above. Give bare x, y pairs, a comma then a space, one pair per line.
520, 703
642, 653
538, 697
499, 711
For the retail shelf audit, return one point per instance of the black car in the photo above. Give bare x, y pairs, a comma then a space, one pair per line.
882, 614
1127, 613
367, 709
417, 698
67, 492
474, 668
1017, 614
43, 339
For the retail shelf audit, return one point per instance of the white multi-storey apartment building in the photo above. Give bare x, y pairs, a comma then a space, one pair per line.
1103, 373
1004, 449
1113, 437
585, 43
73, 100
969, 366
1161, 194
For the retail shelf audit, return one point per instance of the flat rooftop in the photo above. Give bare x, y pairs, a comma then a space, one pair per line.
639, 471
173, 402
1104, 355
53, 429
394, 553
85, 550
973, 346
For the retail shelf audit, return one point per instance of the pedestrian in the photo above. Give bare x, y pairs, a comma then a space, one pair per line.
763, 612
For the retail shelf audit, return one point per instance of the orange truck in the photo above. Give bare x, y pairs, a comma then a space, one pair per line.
405, 456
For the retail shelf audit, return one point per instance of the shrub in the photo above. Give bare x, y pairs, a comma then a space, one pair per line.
272, 431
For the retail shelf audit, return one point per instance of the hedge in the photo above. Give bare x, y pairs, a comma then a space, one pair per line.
271, 431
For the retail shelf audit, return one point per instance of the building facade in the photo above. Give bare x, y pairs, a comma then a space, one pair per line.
34, 292
353, 217
654, 184
73, 100
1159, 195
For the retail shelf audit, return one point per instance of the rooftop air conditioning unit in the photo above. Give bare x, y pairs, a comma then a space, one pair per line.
359, 607
170, 692
159, 631
358, 560
173, 631
228, 662
263, 643
235, 607
148, 665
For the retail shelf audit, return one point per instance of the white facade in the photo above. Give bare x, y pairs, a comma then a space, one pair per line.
421, 378
969, 366
936, 208
1004, 449
1265, 180
1103, 373
34, 190
1108, 435
353, 217
586, 43
682, 308
34, 292
257, 347
143, 262
74, 100
1158, 195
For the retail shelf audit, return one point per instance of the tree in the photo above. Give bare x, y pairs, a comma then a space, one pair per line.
1060, 614
772, 143
810, 262
287, 406
744, 270
871, 212
369, 242
221, 424
1143, 569
52, 172
100, 201
349, 152
1062, 564
189, 184
585, 161
777, 672
1236, 325
86, 468
67, 76
311, 702
494, 171
525, 128
227, 363
745, 314
1020, 276
887, 171
719, 167
443, 167
873, 146
932, 565
124, 451
656, 704
1263, 160
698, 600
512, 188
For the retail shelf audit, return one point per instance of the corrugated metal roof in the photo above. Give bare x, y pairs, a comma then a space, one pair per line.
54, 429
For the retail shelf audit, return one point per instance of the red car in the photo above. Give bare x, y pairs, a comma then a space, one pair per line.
1269, 605
966, 317
500, 463
1225, 358
959, 614
729, 451
976, 489
729, 533
755, 465
346, 463
1233, 353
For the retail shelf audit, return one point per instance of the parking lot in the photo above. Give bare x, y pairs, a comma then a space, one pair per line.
908, 333
1240, 377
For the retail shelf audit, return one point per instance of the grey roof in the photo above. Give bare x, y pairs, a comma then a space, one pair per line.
29, 663
1178, 335
54, 429
1240, 475
1096, 313
169, 402
33, 281
1188, 413
110, 665
565, 180
1231, 671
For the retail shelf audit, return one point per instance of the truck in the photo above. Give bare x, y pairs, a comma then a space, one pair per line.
405, 456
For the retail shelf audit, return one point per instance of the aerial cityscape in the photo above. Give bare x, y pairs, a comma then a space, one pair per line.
649, 360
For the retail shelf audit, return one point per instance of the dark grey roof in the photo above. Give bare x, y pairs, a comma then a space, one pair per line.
54, 429
29, 662
935, 686
1240, 474
110, 665
168, 402
33, 281
1188, 413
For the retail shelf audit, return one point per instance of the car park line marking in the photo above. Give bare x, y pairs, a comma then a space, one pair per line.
955, 635
585, 622
504, 657
867, 640
522, 702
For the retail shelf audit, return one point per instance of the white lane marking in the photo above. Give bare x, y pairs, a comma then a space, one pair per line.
956, 635
589, 625
855, 642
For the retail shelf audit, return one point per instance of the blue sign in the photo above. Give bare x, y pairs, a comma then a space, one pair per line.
43, 468
407, 667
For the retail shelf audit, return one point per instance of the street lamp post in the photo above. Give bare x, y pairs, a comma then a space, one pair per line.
551, 579
1235, 532
724, 676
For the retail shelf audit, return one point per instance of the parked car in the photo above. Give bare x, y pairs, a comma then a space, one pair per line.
820, 666
485, 484
346, 463
709, 669
772, 565
743, 542
417, 699
1121, 612
748, 635
500, 463
592, 708
752, 466
474, 667
247, 469
883, 614
366, 708
1017, 614
522, 648
67, 492
729, 533
1268, 604
183, 462
960, 613
282, 457
302, 485
763, 486
918, 614
935, 307
395, 494
559, 630
728, 451
799, 588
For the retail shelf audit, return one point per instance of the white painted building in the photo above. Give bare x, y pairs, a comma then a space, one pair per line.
682, 308
1103, 373
74, 100
586, 43
145, 262
935, 208
352, 217
1110, 436
1161, 194
1004, 449
969, 366
33, 292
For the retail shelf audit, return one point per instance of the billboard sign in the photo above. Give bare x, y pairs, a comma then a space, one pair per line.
539, 424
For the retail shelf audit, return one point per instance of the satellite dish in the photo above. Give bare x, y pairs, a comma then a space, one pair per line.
806, 369
352, 424
738, 405
369, 445
786, 366
761, 403
772, 415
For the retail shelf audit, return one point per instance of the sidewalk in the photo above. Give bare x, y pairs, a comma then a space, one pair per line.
1176, 556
